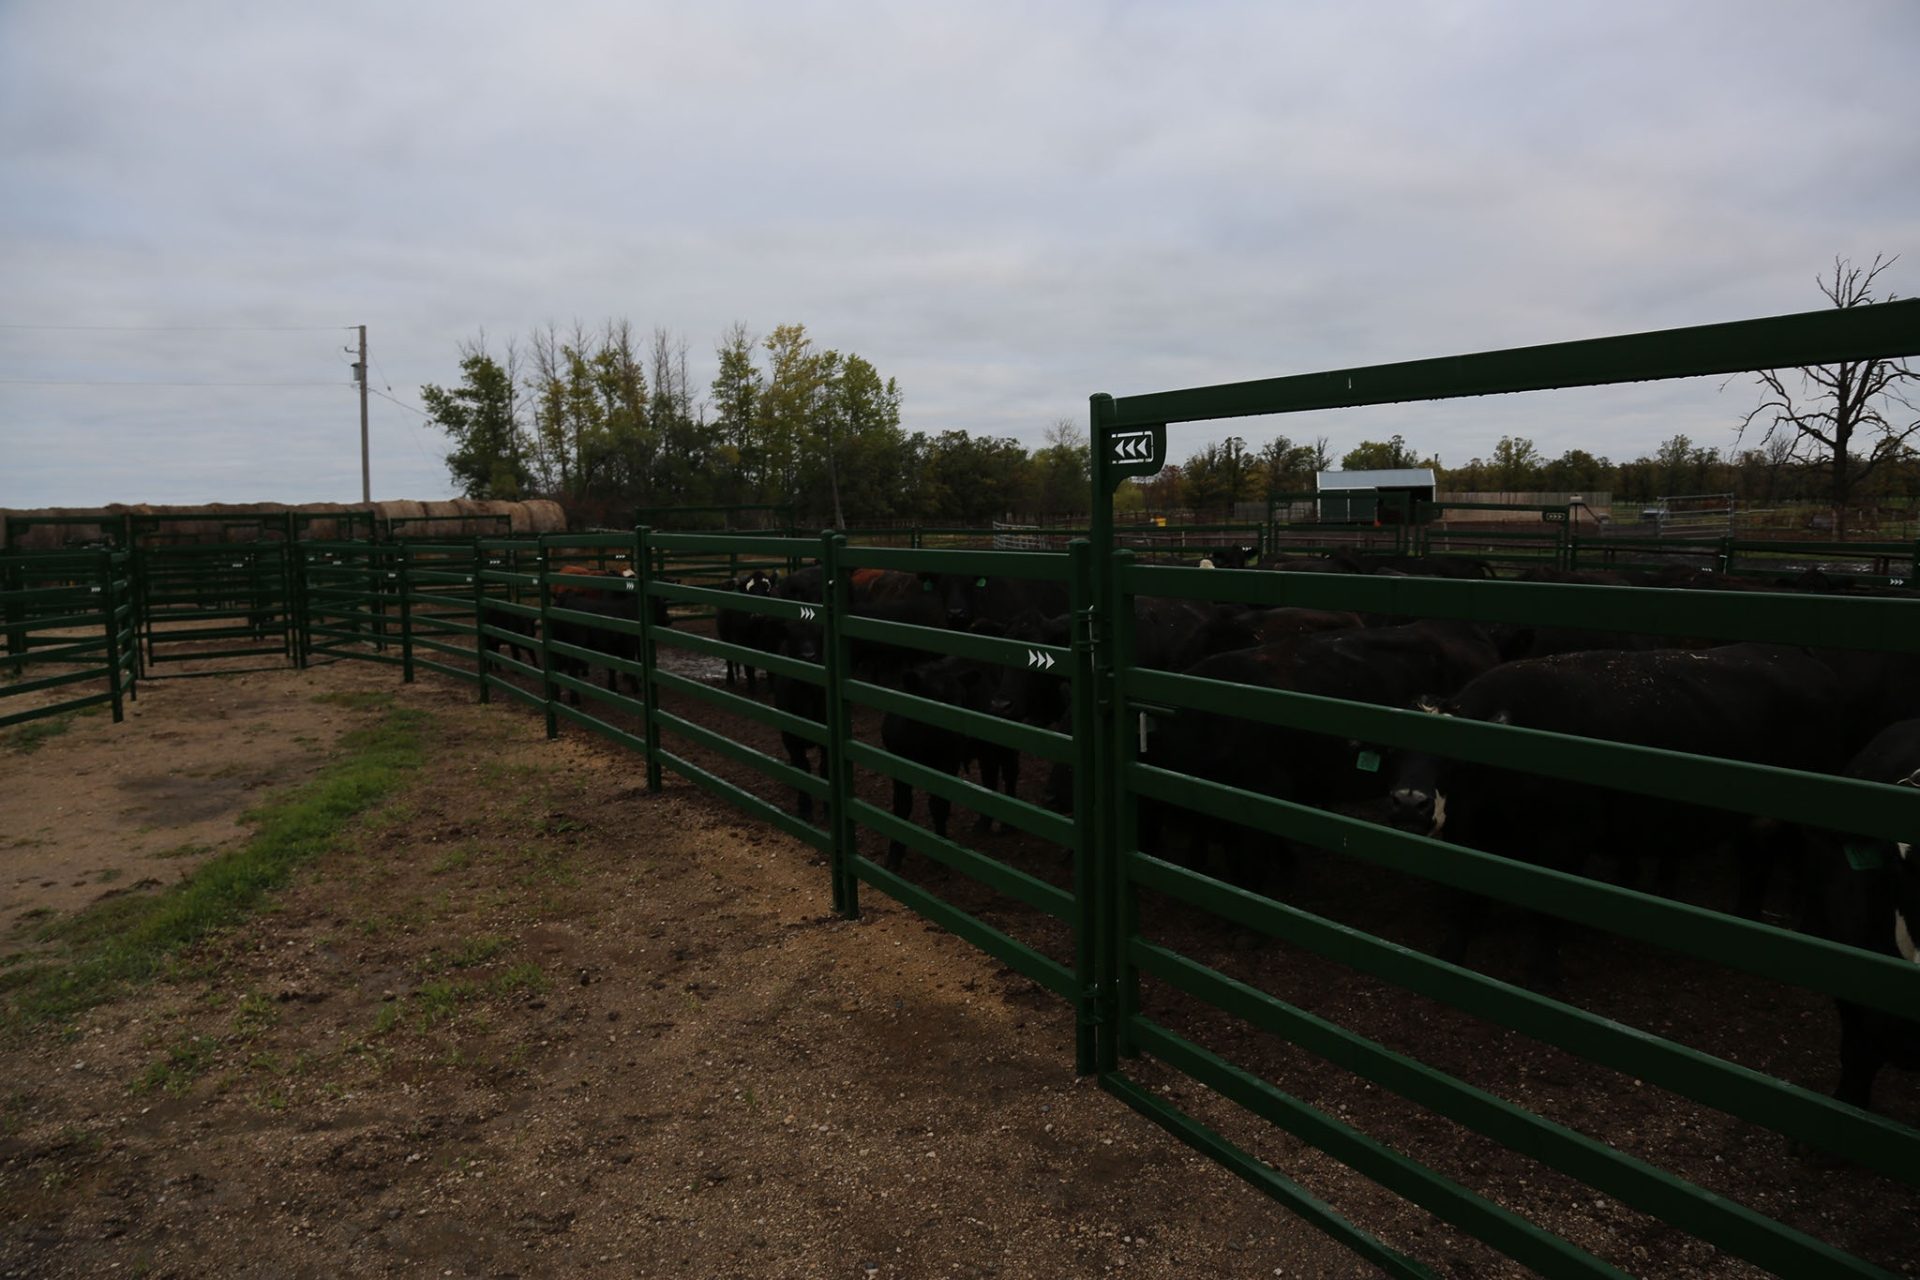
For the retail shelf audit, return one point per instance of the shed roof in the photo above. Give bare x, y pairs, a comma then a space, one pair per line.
1398, 478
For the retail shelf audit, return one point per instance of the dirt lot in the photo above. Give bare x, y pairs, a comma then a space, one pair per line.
527, 1019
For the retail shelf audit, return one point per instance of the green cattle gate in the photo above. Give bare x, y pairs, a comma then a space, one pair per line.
1129, 438
1111, 927
67, 623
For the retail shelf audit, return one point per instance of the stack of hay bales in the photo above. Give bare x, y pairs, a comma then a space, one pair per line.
209, 523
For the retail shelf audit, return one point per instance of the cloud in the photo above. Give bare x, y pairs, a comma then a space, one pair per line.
1005, 206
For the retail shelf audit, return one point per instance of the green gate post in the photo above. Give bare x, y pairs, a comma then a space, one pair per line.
480, 619
1123, 901
109, 600
836, 598
649, 657
403, 556
1086, 755
547, 691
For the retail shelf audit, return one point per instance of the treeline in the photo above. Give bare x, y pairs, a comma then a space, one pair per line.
1220, 475
606, 424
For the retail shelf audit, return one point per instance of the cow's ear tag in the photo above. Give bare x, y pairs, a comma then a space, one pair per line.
925, 585
979, 582
1368, 762
1865, 857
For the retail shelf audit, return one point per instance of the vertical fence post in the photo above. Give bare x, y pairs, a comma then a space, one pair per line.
403, 557
649, 694
479, 580
1123, 809
836, 599
547, 690
1086, 747
109, 601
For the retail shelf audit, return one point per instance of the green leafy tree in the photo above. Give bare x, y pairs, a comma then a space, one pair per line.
1370, 455
482, 415
1061, 485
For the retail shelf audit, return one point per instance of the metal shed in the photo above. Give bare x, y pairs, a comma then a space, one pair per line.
1356, 496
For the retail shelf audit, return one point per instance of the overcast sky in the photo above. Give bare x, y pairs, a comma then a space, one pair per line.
1006, 207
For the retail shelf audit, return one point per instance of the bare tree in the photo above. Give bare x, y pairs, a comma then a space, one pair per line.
1834, 403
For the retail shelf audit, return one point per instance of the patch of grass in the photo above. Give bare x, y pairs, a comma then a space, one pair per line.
474, 951
131, 938
371, 700
33, 735
387, 1019
526, 977
255, 1014
458, 858
439, 1001
187, 850
187, 1059
106, 875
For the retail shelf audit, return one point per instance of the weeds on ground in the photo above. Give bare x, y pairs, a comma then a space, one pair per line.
366, 700
33, 735
186, 1060
131, 938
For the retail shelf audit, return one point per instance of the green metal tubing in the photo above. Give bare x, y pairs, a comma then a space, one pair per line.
1710, 1217
1014, 812
1888, 329
769, 767
741, 798
1868, 808
1837, 622
963, 644
1262, 1176
747, 708
973, 864
1876, 1142
837, 655
1017, 955
1031, 566
1086, 1003
1792, 958
1044, 743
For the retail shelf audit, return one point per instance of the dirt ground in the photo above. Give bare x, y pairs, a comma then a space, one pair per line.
529, 1020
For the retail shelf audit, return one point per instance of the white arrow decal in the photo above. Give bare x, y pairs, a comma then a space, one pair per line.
806, 613
1038, 660
1133, 446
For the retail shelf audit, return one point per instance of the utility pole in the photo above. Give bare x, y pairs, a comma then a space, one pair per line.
360, 375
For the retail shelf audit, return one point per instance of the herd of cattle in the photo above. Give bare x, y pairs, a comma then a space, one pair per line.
1843, 712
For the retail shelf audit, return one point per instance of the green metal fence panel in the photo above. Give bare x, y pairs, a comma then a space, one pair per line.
1129, 438
68, 627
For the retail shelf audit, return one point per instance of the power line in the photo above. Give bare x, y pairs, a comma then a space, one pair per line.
402, 403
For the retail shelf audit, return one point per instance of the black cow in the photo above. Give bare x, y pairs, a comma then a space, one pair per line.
956, 682
613, 642
736, 626
1761, 703
801, 698
1390, 666
1867, 895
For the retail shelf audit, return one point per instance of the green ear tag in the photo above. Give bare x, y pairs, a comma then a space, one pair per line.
1865, 857
979, 582
1369, 762
925, 585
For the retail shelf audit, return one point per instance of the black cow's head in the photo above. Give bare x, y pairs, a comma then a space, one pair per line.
961, 593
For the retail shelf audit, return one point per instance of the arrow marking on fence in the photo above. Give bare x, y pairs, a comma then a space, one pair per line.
1133, 446
806, 613
1038, 660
